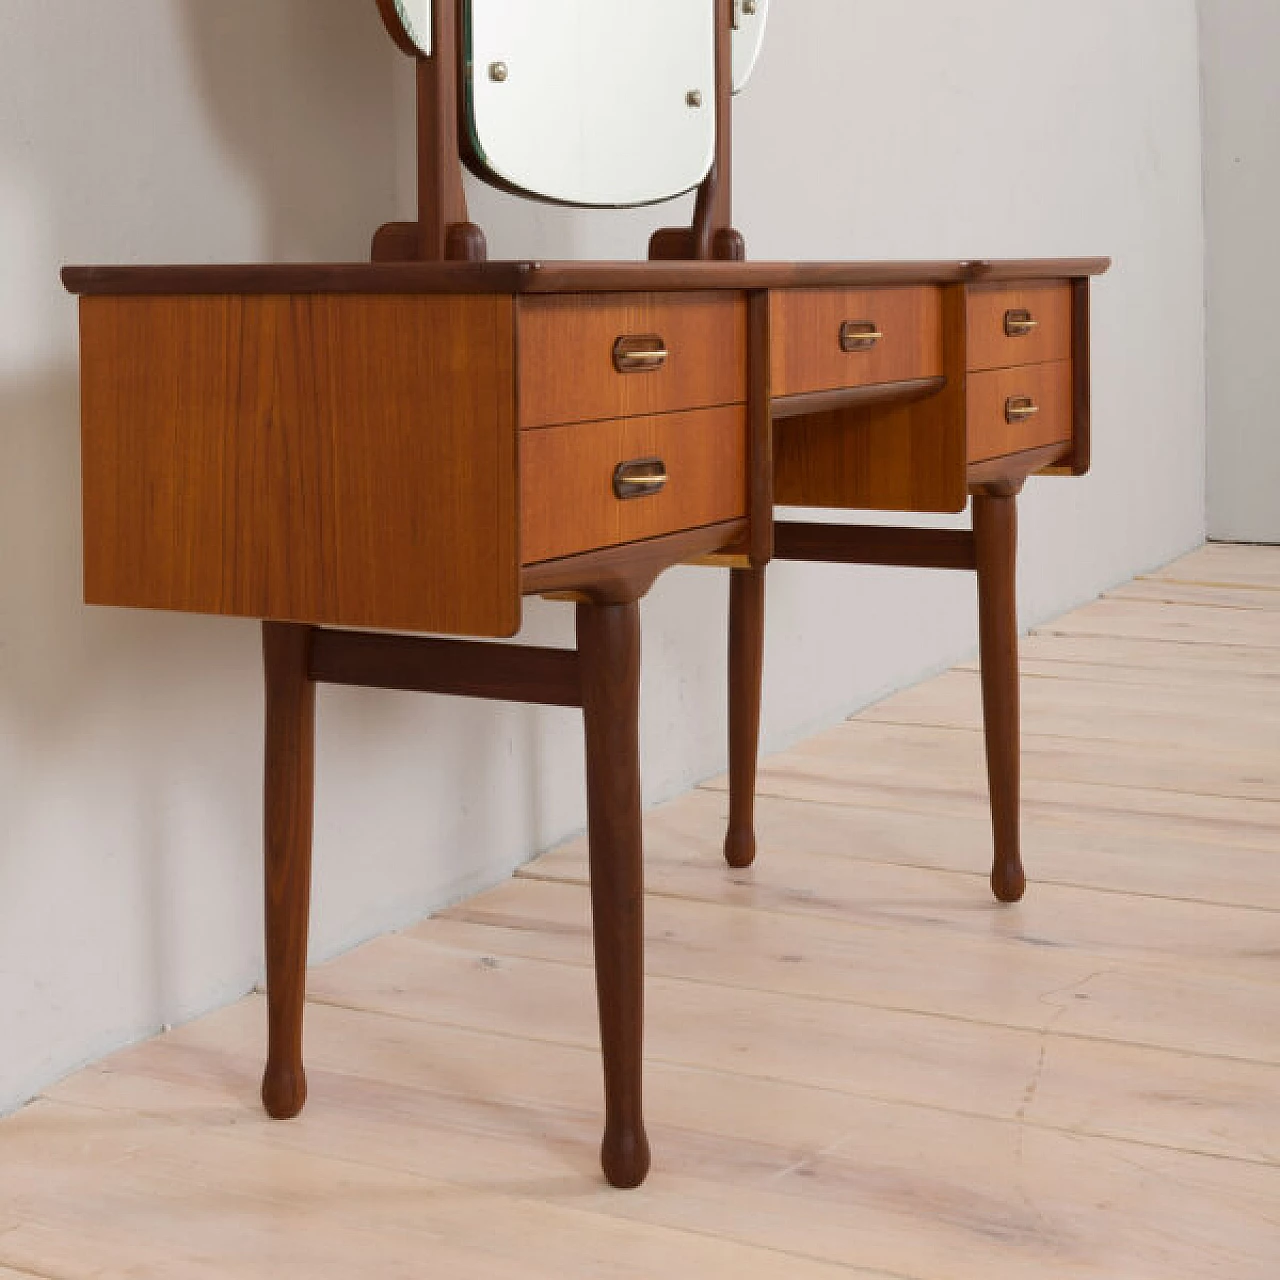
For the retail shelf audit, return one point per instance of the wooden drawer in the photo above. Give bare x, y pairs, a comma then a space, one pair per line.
567, 480
996, 396
1018, 324
815, 343
569, 371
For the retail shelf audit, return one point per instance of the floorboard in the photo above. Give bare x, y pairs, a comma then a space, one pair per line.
1225, 862
1226, 564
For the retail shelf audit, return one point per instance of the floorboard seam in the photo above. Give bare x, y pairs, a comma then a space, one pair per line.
1049, 630
1214, 904
1106, 786
1208, 584
22, 1270
867, 716
1190, 1055
876, 1098
1058, 813
249, 1138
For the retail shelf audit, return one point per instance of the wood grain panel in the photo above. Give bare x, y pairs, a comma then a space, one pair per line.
991, 435
566, 480
991, 347
329, 459
566, 355
807, 355
895, 457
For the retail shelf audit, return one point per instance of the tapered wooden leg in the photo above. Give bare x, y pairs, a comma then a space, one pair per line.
746, 671
289, 793
995, 530
609, 649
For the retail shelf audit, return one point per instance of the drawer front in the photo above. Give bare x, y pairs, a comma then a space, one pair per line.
829, 339
587, 357
598, 484
1019, 324
1015, 409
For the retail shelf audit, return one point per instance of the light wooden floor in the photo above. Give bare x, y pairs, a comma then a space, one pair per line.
858, 1064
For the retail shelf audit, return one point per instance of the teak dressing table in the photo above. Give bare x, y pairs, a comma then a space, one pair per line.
354, 452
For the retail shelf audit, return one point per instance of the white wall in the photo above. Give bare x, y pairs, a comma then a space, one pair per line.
1240, 41
170, 130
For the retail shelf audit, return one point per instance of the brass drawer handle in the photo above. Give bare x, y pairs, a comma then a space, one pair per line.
643, 478
858, 335
1020, 323
643, 353
1020, 409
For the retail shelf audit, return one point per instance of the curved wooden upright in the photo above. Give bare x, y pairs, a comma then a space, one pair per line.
443, 232
712, 235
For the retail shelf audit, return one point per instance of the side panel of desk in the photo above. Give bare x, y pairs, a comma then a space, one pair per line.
337, 459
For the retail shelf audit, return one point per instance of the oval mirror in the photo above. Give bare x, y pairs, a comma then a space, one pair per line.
605, 103
749, 19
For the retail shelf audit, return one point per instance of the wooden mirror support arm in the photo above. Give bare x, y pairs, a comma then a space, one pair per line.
443, 232
712, 234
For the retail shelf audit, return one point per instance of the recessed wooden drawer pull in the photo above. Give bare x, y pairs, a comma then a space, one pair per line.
859, 335
1020, 409
640, 354
1020, 323
641, 479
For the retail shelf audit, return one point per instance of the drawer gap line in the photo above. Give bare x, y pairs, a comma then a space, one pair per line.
878, 393
630, 417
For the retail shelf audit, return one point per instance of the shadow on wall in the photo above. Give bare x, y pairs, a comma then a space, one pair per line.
300, 93
146, 131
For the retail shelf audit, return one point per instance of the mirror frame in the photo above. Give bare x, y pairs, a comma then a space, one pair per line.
742, 73
394, 19
443, 231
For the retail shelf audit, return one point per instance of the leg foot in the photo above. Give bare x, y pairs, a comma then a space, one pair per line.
746, 668
995, 530
740, 848
1008, 881
288, 796
625, 1158
609, 645
284, 1090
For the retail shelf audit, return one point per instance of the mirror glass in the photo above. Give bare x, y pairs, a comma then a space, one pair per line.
415, 17
749, 19
607, 102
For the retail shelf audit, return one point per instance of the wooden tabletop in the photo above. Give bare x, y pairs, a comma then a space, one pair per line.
554, 277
